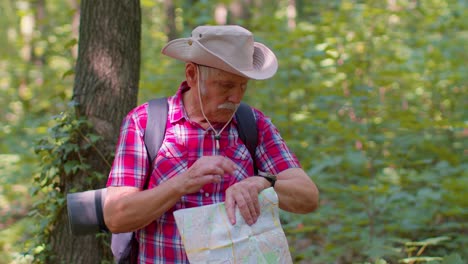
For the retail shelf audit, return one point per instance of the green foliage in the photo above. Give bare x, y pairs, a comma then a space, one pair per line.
34, 57
36, 53
12, 239
15, 202
370, 95
376, 113
63, 156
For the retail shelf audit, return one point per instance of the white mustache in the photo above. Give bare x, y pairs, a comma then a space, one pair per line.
229, 106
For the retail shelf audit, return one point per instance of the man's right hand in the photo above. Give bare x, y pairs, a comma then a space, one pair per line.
207, 169
128, 208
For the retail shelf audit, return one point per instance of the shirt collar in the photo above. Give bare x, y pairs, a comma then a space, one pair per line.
176, 106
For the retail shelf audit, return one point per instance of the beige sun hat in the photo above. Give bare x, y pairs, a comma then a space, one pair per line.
229, 48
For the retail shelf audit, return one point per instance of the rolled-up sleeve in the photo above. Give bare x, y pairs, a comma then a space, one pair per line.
131, 165
272, 154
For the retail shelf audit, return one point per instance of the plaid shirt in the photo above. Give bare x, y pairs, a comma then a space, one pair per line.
184, 143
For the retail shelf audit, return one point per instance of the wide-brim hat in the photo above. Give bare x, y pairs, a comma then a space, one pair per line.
229, 48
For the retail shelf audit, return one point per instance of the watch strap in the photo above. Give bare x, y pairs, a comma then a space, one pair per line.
268, 176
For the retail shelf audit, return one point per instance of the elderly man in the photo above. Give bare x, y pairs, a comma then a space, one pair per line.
202, 160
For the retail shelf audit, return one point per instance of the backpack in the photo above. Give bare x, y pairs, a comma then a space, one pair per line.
85, 208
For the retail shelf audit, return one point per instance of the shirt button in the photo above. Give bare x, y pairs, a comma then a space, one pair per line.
207, 194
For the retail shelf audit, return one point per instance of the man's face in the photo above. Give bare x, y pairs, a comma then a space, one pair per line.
221, 93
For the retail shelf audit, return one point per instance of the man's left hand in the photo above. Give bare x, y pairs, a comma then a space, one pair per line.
244, 195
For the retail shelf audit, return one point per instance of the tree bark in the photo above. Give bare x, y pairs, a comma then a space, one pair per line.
105, 89
292, 13
107, 70
240, 10
171, 30
75, 5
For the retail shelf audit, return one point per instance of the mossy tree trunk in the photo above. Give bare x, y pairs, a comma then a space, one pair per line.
105, 89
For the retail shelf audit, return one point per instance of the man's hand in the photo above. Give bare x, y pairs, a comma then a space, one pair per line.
244, 195
207, 169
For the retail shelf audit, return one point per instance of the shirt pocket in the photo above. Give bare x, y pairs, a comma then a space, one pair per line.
237, 152
241, 156
173, 151
172, 159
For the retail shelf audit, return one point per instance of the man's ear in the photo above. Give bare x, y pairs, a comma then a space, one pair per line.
191, 75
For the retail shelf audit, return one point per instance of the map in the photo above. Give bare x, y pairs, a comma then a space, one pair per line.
209, 237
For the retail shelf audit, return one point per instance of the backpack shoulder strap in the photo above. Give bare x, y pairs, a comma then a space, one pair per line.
247, 128
124, 245
155, 126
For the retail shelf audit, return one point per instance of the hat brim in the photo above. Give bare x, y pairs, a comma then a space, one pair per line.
265, 64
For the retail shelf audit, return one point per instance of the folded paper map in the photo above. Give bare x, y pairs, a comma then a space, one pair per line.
209, 237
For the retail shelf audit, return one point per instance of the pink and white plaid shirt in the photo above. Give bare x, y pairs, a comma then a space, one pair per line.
184, 143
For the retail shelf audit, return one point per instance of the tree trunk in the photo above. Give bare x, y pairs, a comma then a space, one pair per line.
39, 16
292, 13
107, 70
240, 10
105, 89
171, 30
75, 5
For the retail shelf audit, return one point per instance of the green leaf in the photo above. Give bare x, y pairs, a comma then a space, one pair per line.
71, 43
453, 259
68, 73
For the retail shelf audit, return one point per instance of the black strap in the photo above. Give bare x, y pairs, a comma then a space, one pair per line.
98, 208
155, 129
247, 128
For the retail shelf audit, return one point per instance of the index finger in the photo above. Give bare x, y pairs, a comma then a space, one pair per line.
230, 209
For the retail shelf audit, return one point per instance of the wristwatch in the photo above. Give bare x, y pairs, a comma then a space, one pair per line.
268, 176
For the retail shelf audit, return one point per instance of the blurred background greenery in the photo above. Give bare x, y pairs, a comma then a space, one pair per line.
371, 96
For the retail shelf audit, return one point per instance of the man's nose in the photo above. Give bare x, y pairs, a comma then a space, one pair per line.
236, 95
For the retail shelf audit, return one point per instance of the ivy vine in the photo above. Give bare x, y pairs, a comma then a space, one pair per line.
62, 155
